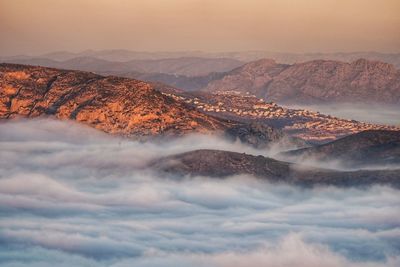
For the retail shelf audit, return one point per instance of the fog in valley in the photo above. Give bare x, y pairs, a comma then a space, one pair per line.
72, 196
371, 113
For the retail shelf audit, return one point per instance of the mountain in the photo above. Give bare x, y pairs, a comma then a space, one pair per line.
291, 58
373, 147
131, 107
112, 104
183, 66
318, 81
217, 163
312, 82
301, 123
244, 56
135, 109
122, 55
188, 83
188, 66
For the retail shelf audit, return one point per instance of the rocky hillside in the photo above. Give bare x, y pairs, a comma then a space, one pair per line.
112, 104
216, 163
366, 148
315, 81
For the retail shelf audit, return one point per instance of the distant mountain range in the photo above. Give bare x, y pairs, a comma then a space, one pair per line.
187, 66
310, 82
315, 81
291, 58
244, 56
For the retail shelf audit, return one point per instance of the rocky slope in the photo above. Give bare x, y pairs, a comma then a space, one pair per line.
216, 163
362, 149
111, 104
315, 81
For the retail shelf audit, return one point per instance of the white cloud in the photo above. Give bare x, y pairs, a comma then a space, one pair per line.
89, 202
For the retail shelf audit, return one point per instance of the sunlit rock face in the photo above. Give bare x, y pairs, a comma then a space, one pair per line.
114, 105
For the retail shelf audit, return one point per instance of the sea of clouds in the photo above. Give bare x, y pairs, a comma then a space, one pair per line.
72, 196
371, 113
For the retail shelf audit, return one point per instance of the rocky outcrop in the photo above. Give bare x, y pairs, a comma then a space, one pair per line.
217, 163
315, 81
114, 105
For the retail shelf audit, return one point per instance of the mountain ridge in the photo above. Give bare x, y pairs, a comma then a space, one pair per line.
244, 56
220, 164
371, 147
315, 81
311, 82
184, 66
111, 104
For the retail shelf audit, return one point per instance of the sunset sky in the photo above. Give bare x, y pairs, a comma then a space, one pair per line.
38, 26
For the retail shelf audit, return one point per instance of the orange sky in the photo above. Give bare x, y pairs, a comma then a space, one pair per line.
36, 26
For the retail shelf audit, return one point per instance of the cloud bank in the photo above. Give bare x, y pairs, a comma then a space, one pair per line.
371, 113
71, 196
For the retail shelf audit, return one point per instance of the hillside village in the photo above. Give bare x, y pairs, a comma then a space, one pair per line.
308, 125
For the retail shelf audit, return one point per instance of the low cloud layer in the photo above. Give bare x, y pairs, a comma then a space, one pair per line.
372, 113
70, 196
